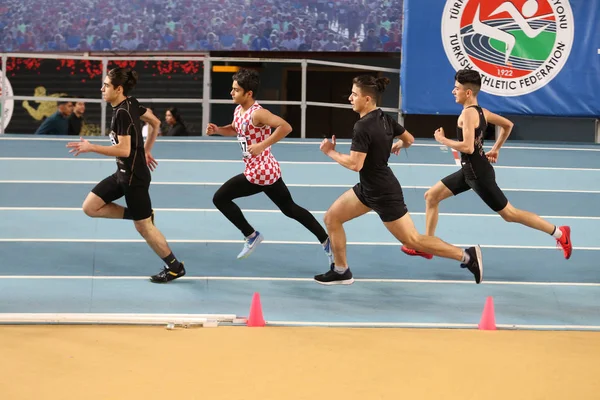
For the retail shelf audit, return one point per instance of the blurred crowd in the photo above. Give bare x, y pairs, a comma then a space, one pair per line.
186, 25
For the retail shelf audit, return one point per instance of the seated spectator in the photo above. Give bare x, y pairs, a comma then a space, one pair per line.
76, 119
371, 42
383, 36
239, 45
260, 43
175, 123
57, 123
331, 44
322, 24
227, 38
289, 42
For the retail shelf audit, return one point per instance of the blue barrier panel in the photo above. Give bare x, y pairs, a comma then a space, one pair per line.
535, 56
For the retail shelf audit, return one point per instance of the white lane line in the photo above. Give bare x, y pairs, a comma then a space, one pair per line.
307, 185
278, 242
282, 279
453, 165
301, 142
214, 210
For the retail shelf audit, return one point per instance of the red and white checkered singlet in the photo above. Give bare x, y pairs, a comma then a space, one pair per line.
262, 169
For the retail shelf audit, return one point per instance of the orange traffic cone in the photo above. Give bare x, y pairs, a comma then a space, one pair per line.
256, 315
488, 320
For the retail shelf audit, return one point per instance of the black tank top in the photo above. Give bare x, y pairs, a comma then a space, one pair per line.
475, 165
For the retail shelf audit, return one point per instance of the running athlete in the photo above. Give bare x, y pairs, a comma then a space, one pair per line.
134, 163
477, 172
252, 125
378, 190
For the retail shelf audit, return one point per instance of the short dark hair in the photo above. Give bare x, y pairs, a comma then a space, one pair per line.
124, 77
248, 79
470, 79
371, 86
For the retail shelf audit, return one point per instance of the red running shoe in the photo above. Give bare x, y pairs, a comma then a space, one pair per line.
565, 241
412, 252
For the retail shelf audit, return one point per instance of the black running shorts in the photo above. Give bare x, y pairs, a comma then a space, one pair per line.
485, 187
137, 195
389, 207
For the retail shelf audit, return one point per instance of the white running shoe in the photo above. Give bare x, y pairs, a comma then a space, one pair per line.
250, 245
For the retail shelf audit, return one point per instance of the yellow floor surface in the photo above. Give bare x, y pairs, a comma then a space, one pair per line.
115, 362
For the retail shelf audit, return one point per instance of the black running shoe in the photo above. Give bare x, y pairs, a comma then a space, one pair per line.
166, 275
333, 278
475, 264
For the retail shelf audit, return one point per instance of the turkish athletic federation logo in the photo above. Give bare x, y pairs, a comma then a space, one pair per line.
518, 46
9, 105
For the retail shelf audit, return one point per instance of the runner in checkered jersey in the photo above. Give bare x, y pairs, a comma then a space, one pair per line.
252, 125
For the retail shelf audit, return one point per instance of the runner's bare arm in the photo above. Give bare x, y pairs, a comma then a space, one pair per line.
467, 145
505, 125
264, 117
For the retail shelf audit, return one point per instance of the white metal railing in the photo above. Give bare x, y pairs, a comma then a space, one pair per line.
205, 100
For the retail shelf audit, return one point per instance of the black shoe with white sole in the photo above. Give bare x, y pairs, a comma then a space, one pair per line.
333, 278
475, 264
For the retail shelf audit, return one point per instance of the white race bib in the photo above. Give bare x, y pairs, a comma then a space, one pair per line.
244, 145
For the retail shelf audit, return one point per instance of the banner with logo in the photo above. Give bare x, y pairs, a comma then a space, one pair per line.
6, 107
538, 57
